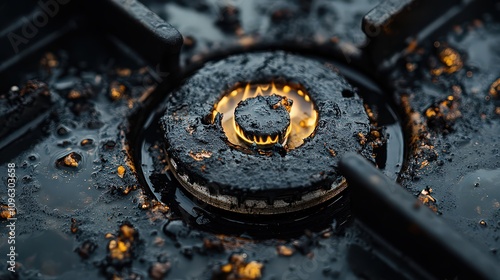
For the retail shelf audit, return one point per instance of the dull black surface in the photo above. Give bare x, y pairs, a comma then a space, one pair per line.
263, 117
414, 228
446, 89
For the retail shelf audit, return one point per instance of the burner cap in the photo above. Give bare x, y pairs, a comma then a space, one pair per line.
217, 168
263, 120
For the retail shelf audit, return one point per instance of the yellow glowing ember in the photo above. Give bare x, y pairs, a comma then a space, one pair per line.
118, 249
49, 60
239, 268
117, 90
6, 212
247, 41
127, 189
411, 67
123, 72
430, 112
451, 58
159, 207
426, 198
285, 251
437, 71
424, 164
74, 94
303, 115
412, 46
227, 268
251, 271
332, 152
127, 232
122, 246
362, 138
201, 155
70, 161
86, 142
120, 171
427, 192
446, 110
495, 88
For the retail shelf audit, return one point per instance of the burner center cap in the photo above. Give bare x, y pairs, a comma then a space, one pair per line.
263, 120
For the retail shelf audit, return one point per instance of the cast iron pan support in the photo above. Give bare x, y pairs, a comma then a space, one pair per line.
142, 30
389, 211
396, 27
26, 26
42, 24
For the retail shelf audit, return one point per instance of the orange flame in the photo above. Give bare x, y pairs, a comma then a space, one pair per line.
261, 141
303, 115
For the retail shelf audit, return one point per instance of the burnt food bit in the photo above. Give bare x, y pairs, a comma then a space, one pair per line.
264, 120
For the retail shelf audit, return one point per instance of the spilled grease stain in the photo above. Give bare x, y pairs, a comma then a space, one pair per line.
66, 185
479, 194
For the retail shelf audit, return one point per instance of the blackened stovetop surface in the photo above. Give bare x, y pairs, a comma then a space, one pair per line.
99, 221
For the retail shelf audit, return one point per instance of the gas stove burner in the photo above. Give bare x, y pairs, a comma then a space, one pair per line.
299, 123
217, 167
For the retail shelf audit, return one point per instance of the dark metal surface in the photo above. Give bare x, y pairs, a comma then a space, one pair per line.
400, 220
154, 38
21, 109
395, 28
31, 25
